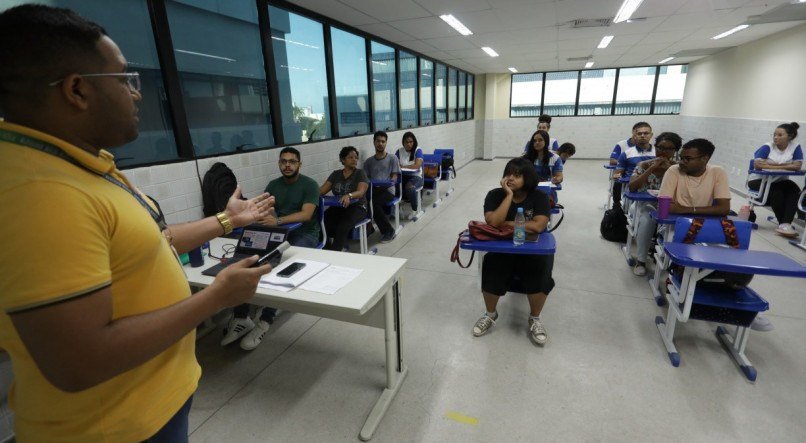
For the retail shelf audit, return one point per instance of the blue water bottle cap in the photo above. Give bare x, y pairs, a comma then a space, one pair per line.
520, 209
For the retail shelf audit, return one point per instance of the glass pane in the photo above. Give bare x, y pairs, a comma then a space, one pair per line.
220, 63
596, 92
426, 90
470, 84
671, 83
350, 75
299, 59
527, 92
634, 94
452, 94
441, 90
127, 22
408, 90
384, 86
561, 93
462, 95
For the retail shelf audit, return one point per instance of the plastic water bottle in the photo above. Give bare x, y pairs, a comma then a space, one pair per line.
519, 236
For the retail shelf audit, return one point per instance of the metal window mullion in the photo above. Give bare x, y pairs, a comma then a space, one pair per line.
331, 82
264, 24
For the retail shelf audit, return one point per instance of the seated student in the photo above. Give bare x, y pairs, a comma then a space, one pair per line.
631, 152
648, 175
544, 124
782, 154
566, 151
547, 164
382, 166
500, 206
410, 156
347, 184
696, 187
296, 198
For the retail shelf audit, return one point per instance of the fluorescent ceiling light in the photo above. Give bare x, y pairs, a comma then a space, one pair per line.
489, 51
456, 24
626, 10
732, 31
589, 64
201, 54
667, 59
512, 69
605, 41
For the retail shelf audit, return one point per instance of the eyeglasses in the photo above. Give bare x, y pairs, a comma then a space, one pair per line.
643, 134
686, 158
288, 162
132, 78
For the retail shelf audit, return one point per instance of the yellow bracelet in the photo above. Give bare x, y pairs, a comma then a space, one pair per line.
225, 222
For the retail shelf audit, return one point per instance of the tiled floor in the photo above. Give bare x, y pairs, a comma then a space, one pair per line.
604, 374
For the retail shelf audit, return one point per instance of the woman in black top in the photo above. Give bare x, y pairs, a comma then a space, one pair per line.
517, 191
347, 184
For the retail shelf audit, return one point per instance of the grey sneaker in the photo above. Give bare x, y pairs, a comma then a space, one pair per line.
761, 323
537, 332
786, 230
255, 336
237, 328
639, 270
483, 325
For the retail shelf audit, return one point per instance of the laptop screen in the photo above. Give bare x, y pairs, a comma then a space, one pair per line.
257, 240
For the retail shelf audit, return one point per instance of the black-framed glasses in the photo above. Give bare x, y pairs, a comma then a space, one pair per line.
132, 78
291, 162
686, 158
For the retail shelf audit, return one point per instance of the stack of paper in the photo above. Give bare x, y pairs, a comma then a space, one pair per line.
285, 284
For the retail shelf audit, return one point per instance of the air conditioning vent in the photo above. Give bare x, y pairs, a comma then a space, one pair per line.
579, 59
591, 22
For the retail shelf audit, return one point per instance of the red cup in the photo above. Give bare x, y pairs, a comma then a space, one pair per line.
664, 202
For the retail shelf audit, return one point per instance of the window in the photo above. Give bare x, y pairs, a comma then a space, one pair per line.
462, 96
561, 93
452, 79
127, 22
634, 95
299, 59
426, 91
408, 90
596, 92
470, 84
441, 91
527, 93
384, 86
671, 83
350, 77
220, 65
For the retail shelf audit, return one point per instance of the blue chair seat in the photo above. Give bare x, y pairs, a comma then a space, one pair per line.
735, 307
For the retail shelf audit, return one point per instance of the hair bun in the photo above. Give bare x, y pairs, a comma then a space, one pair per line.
795, 125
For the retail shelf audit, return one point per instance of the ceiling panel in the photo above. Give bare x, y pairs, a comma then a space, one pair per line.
439, 7
384, 9
530, 15
482, 21
591, 9
662, 37
660, 8
429, 27
418, 45
385, 31
337, 11
448, 43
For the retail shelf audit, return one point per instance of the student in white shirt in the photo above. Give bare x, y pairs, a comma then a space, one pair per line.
411, 157
782, 154
544, 124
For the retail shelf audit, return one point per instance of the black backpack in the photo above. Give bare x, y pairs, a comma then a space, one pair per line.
614, 226
218, 185
447, 165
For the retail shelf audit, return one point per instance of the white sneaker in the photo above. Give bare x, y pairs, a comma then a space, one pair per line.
255, 336
537, 332
237, 328
761, 323
639, 270
412, 215
483, 325
786, 230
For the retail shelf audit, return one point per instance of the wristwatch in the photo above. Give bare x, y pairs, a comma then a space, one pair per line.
225, 222
350, 194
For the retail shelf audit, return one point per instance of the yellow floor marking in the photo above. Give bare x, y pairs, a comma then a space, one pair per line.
455, 416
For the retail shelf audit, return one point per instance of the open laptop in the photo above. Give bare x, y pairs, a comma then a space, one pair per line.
254, 240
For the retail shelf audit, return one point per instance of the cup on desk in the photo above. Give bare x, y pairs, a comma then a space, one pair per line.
196, 258
664, 203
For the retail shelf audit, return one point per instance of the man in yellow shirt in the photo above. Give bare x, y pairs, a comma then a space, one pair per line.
695, 186
95, 310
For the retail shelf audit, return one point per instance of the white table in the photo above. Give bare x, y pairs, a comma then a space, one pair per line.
358, 302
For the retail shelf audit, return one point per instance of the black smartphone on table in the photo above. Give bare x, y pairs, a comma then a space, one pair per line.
291, 269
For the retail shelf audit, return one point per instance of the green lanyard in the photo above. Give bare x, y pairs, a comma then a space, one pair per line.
39, 145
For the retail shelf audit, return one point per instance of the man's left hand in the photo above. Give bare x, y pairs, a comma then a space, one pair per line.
245, 212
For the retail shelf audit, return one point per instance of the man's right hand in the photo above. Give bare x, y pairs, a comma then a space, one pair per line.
237, 283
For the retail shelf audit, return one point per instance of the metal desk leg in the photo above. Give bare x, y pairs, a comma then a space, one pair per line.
667, 335
658, 281
735, 344
632, 209
395, 370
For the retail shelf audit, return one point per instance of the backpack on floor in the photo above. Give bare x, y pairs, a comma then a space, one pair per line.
614, 225
447, 165
218, 185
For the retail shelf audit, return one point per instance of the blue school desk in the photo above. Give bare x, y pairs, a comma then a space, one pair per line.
759, 198
545, 245
332, 200
632, 202
741, 305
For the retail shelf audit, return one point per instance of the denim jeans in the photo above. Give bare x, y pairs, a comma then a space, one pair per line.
176, 430
411, 184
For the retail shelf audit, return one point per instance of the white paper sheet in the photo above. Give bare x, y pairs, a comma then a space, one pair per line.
311, 269
331, 279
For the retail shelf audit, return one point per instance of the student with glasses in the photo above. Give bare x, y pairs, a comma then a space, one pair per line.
544, 124
296, 201
98, 318
350, 186
648, 175
783, 154
696, 187
628, 153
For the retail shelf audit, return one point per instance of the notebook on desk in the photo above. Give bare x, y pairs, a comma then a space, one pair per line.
254, 240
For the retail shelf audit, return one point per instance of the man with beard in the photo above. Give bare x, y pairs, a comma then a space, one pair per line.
296, 200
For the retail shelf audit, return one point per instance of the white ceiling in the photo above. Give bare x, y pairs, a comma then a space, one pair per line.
535, 35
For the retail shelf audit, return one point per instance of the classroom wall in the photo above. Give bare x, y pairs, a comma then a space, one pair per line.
737, 97
176, 186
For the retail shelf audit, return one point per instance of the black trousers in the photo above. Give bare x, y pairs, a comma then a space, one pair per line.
783, 198
617, 194
340, 221
380, 197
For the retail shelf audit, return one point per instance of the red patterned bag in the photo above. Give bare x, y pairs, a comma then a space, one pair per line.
479, 231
